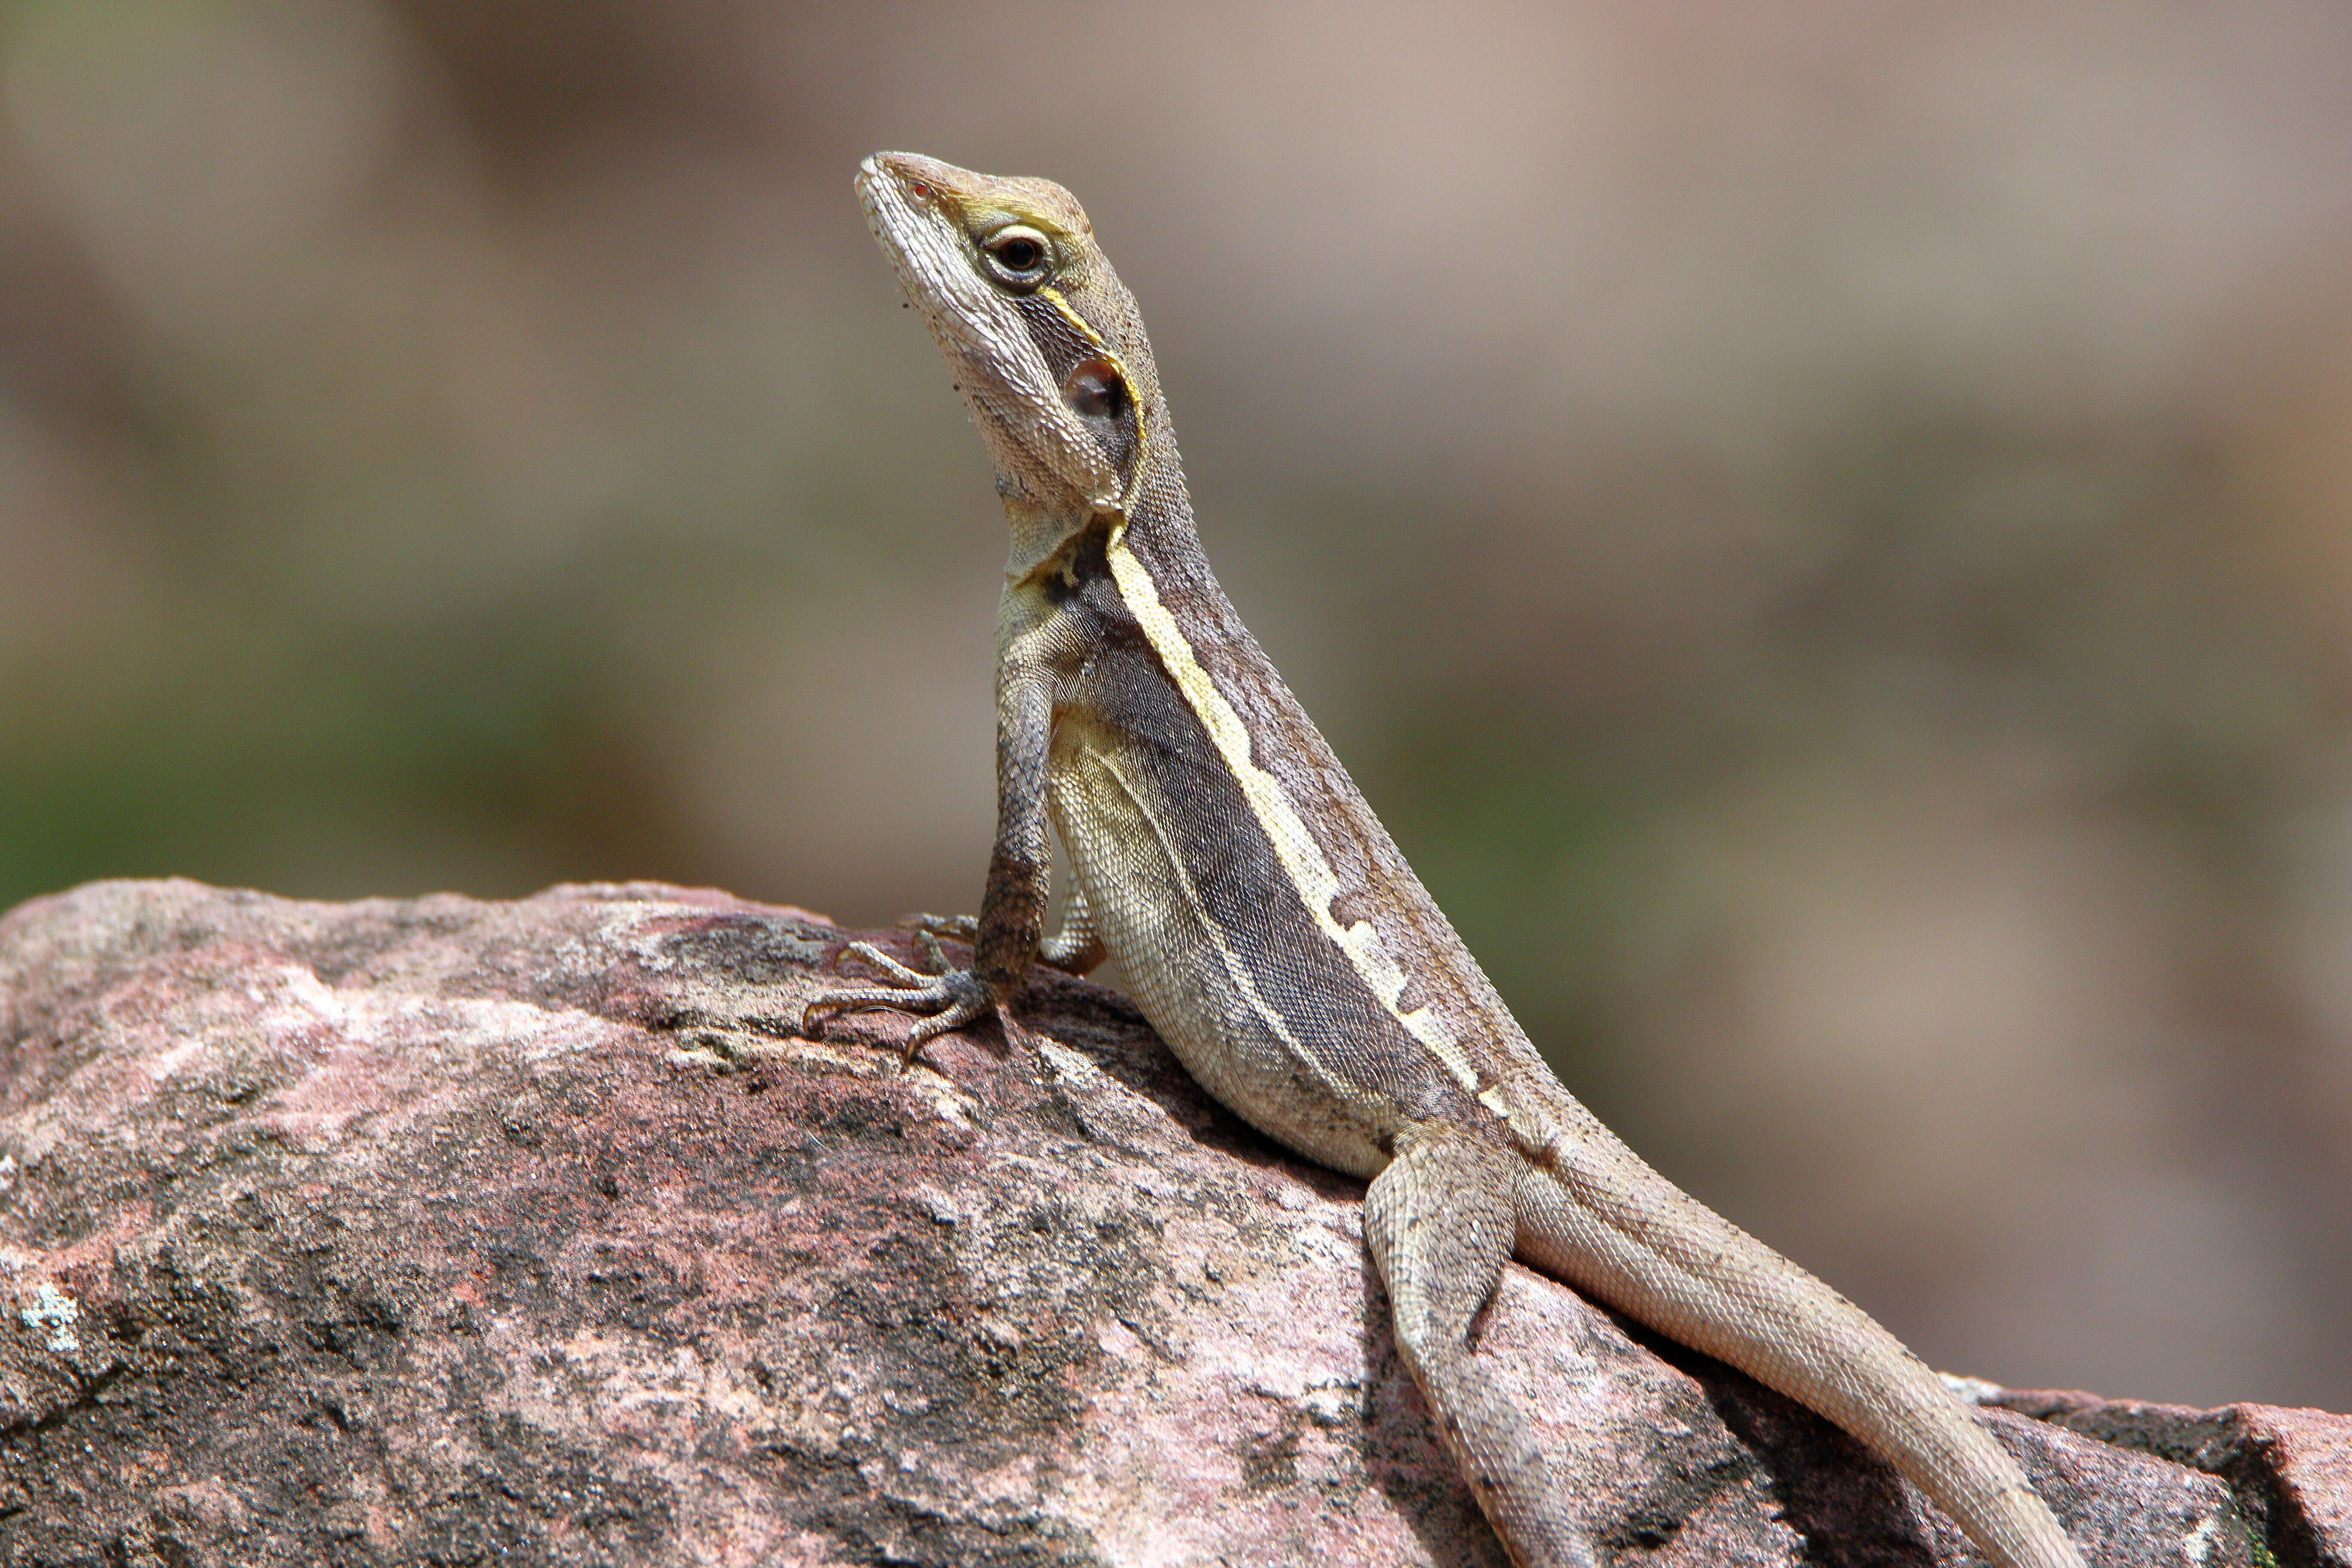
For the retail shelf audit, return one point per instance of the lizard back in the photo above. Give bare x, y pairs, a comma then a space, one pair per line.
1272, 930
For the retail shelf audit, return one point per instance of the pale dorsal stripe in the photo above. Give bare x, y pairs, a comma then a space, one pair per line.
1310, 871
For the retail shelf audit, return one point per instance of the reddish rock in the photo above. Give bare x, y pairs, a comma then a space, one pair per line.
444, 1232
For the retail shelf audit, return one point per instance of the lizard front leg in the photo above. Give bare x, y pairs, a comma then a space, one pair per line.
1441, 1221
1075, 948
1007, 937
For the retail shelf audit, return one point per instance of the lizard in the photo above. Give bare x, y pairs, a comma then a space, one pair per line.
1272, 932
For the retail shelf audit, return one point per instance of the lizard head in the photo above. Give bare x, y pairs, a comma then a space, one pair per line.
1042, 340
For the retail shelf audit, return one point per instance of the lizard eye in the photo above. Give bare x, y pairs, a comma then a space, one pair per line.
1017, 256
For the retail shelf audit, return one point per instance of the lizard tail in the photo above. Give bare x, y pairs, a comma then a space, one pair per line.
1593, 1214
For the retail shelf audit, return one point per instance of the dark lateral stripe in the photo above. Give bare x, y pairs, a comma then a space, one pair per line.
1300, 860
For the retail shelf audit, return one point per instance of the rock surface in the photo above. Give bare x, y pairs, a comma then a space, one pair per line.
444, 1232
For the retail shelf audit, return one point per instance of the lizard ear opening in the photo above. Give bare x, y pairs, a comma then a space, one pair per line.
1096, 390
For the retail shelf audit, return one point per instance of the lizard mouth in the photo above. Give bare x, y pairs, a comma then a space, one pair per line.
902, 195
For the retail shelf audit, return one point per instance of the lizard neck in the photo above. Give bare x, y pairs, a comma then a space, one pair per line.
1040, 533
1155, 508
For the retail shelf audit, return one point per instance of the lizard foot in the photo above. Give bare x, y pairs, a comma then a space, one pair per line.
944, 998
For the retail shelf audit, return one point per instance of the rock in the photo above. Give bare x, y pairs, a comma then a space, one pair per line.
457, 1232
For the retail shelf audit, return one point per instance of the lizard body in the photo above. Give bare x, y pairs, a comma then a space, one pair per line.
1272, 932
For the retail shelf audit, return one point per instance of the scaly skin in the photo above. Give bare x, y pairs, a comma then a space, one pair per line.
1273, 933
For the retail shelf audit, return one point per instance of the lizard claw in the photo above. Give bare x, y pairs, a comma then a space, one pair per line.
946, 998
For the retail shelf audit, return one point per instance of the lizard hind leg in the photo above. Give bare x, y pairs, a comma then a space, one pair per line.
1440, 1222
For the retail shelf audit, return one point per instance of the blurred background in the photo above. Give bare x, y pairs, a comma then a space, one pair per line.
1825, 530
